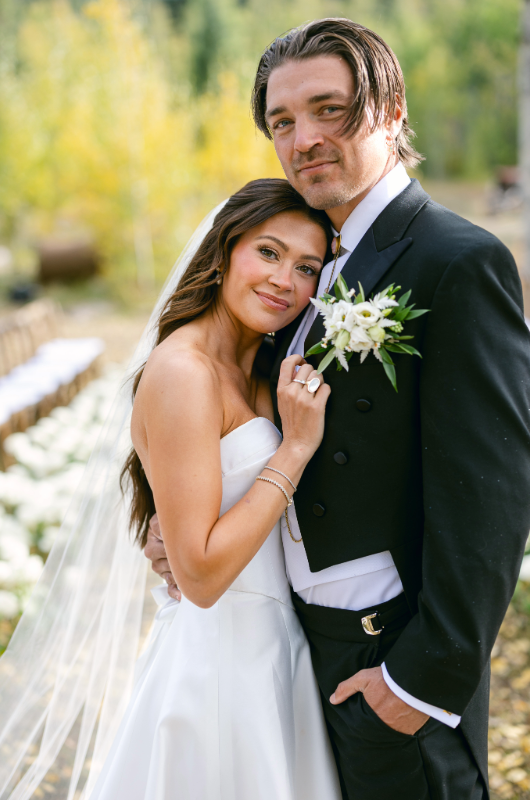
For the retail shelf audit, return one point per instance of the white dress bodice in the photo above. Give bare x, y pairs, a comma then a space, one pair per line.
244, 453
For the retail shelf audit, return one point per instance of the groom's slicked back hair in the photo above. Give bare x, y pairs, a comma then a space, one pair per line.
378, 79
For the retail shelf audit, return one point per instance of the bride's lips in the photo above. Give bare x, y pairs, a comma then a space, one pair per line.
273, 302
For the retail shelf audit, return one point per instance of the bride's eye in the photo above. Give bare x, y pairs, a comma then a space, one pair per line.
307, 270
267, 252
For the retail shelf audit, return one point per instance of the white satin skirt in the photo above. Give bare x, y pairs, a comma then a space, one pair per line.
225, 707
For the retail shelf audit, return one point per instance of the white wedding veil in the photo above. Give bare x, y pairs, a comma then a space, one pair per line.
67, 674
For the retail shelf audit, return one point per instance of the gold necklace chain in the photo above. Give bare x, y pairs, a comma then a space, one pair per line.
289, 529
337, 242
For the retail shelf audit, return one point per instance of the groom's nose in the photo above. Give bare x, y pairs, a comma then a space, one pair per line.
307, 134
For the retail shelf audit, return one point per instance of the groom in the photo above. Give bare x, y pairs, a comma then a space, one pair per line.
415, 510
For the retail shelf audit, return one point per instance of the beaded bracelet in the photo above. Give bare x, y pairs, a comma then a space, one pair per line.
275, 483
287, 478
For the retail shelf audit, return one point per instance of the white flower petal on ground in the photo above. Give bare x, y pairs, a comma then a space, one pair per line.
13, 550
9, 605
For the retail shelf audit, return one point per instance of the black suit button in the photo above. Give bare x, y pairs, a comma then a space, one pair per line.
318, 510
340, 458
363, 405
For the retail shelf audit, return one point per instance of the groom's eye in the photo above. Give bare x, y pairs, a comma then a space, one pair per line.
280, 124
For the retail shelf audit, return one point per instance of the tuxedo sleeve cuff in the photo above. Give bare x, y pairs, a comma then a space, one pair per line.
452, 720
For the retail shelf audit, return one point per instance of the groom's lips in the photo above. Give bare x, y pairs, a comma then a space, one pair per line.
273, 302
315, 166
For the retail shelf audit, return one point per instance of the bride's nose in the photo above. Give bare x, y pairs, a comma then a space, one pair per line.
282, 278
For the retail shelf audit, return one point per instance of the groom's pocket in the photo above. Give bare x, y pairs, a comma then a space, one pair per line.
378, 762
371, 723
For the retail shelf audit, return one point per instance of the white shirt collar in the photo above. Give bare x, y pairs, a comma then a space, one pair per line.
365, 214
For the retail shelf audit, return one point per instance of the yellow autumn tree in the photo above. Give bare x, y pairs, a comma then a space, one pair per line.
94, 135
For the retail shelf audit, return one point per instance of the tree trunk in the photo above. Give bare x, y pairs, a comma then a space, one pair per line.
524, 139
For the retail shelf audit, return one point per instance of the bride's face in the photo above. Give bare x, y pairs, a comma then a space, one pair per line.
273, 271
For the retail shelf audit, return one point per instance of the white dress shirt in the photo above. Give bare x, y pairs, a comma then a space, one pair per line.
374, 579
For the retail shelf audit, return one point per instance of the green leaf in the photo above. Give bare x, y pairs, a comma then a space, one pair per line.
407, 348
394, 348
385, 356
404, 298
343, 286
399, 315
326, 361
338, 293
317, 348
418, 312
361, 292
326, 296
391, 374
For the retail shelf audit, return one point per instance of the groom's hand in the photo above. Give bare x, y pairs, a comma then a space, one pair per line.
394, 712
156, 553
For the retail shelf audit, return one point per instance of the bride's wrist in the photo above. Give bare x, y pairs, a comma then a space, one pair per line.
292, 458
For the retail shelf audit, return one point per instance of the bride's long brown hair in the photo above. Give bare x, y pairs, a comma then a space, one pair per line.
252, 205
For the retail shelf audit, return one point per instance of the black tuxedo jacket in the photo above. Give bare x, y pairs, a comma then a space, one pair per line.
439, 473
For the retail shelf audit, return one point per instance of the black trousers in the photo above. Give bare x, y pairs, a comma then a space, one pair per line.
376, 762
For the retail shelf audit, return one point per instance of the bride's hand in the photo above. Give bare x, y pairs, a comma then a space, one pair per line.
301, 411
155, 551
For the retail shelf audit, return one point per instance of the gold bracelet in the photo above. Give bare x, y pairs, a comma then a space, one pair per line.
289, 502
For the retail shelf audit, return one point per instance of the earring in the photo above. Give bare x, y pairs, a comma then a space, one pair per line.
391, 146
220, 278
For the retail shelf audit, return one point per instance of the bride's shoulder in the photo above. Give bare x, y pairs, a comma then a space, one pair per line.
174, 365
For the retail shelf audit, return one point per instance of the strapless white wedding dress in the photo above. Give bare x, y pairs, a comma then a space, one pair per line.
226, 705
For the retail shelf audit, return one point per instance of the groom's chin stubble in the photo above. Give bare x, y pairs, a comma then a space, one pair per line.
324, 198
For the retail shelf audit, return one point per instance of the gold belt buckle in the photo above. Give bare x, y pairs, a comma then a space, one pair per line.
368, 625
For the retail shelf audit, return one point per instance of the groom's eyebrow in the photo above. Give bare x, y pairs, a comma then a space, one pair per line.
335, 94
286, 248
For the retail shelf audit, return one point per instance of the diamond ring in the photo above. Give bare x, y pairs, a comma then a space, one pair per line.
313, 385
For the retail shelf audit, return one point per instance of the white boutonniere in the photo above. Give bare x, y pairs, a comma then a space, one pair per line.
356, 325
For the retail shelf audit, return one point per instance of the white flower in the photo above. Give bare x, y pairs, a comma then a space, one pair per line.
7, 574
12, 549
342, 340
360, 340
377, 333
29, 572
384, 302
8, 605
366, 314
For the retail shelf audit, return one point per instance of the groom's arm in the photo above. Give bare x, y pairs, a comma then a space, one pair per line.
475, 398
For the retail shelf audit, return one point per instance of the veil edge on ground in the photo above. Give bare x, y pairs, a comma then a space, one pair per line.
70, 662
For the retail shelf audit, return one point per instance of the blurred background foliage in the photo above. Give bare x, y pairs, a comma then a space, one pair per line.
129, 119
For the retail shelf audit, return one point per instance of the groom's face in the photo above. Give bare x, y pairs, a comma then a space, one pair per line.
306, 105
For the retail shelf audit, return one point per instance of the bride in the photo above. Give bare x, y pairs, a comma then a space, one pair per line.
224, 704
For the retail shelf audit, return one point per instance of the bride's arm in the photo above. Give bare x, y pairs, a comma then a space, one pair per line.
182, 419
